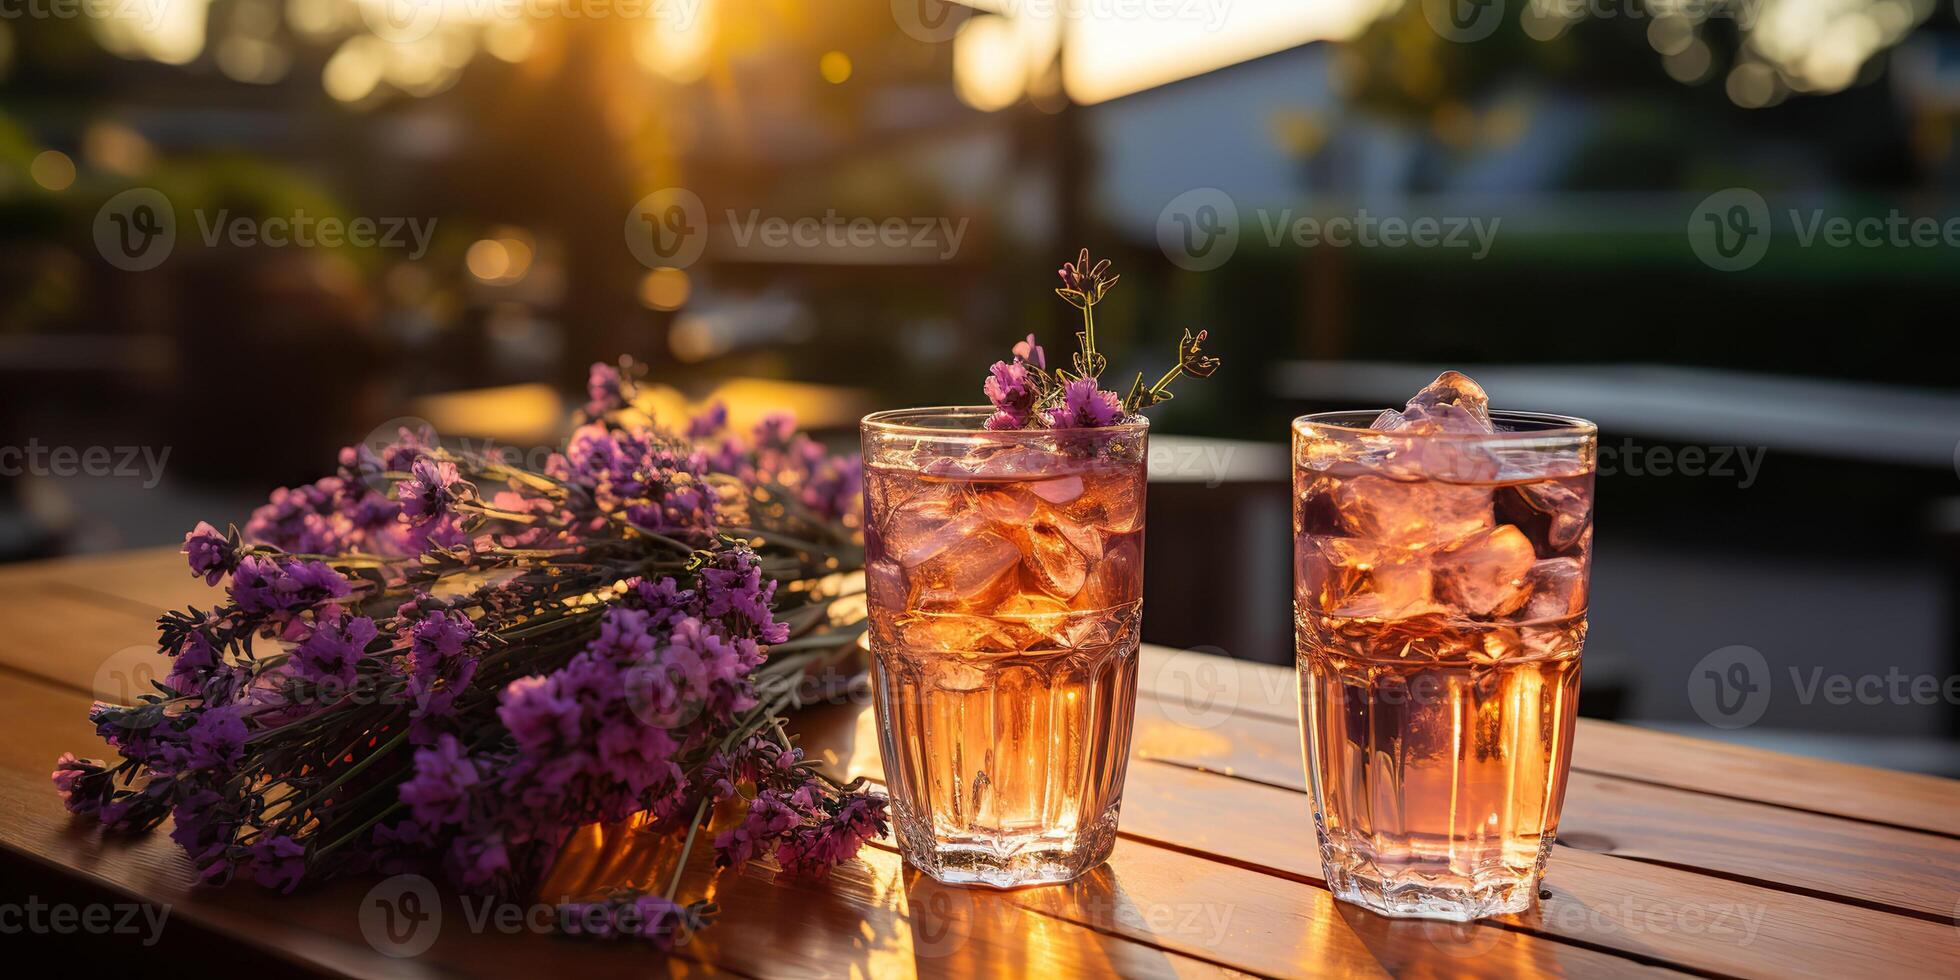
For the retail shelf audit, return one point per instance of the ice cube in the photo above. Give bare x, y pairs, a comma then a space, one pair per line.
929, 522
956, 674
1058, 565
1485, 574
1112, 499
884, 584
974, 573
1557, 590
1041, 621
1567, 508
1058, 491
930, 634
1116, 581
1413, 514
1353, 577
1451, 403
1389, 421
1006, 504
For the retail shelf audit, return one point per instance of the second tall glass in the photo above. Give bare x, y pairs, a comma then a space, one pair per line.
1441, 606
1005, 581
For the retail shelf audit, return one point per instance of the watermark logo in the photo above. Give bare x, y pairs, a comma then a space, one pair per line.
136, 229
149, 13
1463, 940
128, 674
1199, 229
1197, 688
931, 21
668, 227
1742, 464
35, 917
1730, 230
37, 458
1463, 21
402, 916
1730, 688
401, 21
940, 916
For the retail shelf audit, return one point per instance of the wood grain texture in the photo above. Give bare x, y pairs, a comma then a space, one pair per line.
1687, 854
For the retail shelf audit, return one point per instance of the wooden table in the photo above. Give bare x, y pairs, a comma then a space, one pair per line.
1675, 854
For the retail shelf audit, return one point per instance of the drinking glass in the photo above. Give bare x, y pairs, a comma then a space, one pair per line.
1440, 608
1004, 573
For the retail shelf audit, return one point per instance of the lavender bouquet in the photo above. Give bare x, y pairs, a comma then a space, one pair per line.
443, 657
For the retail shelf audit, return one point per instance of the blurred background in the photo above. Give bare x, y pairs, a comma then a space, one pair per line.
237, 234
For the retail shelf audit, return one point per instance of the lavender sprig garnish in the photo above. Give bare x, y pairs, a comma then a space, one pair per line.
1025, 392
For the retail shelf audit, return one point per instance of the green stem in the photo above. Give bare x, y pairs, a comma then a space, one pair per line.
358, 831
693, 826
352, 771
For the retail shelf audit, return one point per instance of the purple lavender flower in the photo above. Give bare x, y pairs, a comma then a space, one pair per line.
333, 648
1031, 352
639, 755
432, 489
205, 829
1013, 396
441, 663
278, 862
604, 390
445, 776
217, 738
709, 422
813, 851
211, 553
479, 861
281, 588
82, 783
1084, 405
769, 819
538, 714
736, 594
775, 429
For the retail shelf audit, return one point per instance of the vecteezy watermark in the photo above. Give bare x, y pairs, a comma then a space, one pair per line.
1203, 461
670, 227
38, 918
148, 13
1734, 922
1741, 463
933, 21
1731, 229
402, 917
136, 230
1731, 687
943, 917
1199, 230
121, 462
407, 21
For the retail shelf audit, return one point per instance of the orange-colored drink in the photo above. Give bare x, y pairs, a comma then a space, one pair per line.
1440, 607
1005, 579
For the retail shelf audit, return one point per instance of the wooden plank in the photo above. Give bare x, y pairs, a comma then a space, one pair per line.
1699, 922
860, 920
1186, 913
1878, 866
148, 581
1201, 691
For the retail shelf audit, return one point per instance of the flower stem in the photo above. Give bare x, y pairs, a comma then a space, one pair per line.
693, 826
